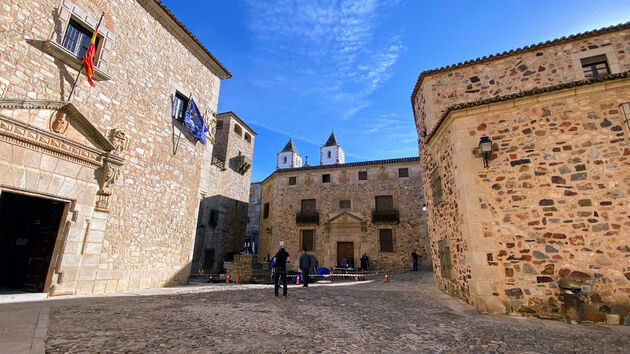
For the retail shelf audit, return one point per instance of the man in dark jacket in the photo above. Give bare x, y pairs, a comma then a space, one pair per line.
280, 270
305, 266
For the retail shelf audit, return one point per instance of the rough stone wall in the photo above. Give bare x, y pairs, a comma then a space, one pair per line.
253, 213
146, 239
227, 192
551, 208
354, 225
529, 69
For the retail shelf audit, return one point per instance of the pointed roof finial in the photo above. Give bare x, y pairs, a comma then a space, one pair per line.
332, 141
290, 147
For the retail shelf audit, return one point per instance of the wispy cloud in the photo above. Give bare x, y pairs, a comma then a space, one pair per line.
331, 46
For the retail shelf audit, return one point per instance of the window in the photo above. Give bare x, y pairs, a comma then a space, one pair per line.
403, 172
77, 39
284, 159
384, 202
363, 176
213, 220
180, 103
219, 124
208, 259
308, 240
345, 204
308, 206
386, 240
266, 211
436, 186
238, 130
329, 154
292, 181
595, 66
326, 178
248, 138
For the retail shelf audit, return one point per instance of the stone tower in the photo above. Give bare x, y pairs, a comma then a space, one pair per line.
289, 157
331, 153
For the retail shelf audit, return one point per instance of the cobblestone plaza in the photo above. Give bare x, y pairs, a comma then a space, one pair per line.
408, 314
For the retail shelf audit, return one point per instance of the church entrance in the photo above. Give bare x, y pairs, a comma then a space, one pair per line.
344, 250
28, 233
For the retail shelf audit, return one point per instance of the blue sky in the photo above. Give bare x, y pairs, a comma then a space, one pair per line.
303, 68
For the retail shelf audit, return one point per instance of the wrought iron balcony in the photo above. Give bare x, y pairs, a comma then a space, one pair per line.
385, 215
311, 217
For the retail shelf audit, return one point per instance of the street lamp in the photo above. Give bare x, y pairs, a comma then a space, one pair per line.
424, 207
485, 147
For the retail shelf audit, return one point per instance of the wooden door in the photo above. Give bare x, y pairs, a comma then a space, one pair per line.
344, 250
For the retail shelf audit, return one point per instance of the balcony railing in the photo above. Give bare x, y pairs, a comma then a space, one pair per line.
311, 217
385, 215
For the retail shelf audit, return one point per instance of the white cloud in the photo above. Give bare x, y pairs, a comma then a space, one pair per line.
332, 45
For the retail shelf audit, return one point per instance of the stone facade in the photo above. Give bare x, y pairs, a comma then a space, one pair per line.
253, 214
129, 181
283, 218
221, 225
548, 217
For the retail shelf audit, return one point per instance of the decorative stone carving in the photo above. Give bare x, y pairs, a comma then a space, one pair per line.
119, 140
107, 178
59, 122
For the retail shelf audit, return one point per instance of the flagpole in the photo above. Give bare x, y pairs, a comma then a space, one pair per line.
74, 85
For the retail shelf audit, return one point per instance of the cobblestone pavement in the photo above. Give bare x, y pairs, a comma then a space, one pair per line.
406, 314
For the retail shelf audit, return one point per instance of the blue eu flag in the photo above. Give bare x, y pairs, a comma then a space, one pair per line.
194, 122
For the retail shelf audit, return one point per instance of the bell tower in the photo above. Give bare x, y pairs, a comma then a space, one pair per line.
331, 153
289, 157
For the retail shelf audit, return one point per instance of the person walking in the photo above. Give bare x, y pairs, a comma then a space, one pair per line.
414, 258
305, 266
364, 262
280, 271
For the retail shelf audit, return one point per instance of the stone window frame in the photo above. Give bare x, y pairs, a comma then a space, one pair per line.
359, 175
326, 178
219, 124
403, 172
292, 180
247, 138
238, 130
608, 51
71, 12
437, 190
302, 246
341, 207
266, 210
393, 240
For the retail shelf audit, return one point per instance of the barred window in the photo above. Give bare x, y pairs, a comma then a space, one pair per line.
403, 172
345, 204
326, 178
386, 240
308, 205
595, 66
363, 176
292, 180
384, 202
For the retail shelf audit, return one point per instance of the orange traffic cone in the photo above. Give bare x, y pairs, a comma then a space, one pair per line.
227, 279
297, 280
386, 278
238, 279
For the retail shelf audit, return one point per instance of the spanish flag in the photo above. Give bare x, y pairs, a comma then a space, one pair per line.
88, 58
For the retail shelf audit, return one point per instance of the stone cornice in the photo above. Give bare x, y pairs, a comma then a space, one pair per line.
238, 119
538, 46
179, 31
66, 107
524, 95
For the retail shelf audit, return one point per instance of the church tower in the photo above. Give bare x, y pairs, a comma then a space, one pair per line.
331, 153
289, 157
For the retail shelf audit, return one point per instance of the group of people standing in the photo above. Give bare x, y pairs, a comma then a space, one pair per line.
281, 259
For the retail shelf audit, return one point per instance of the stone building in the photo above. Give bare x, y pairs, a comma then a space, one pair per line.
101, 193
225, 190
346, 210
544, 229
253, 214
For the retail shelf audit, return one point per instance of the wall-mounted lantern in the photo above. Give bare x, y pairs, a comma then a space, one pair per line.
625, 111
424, 207
485, 148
